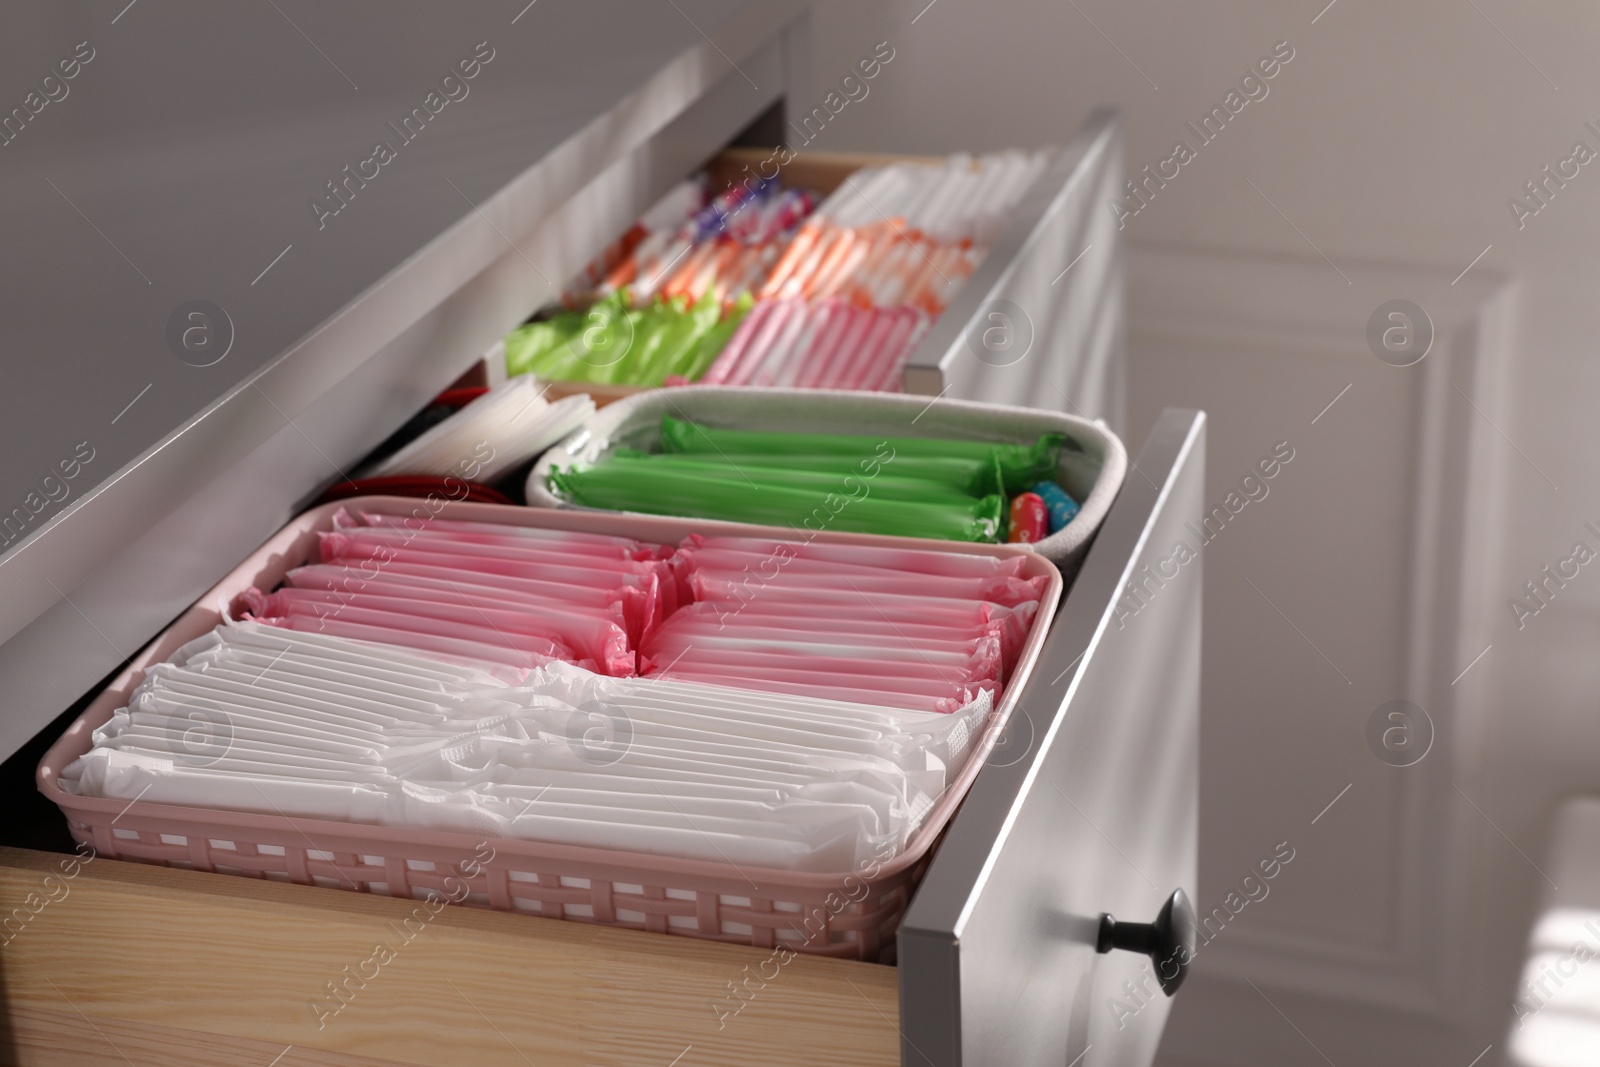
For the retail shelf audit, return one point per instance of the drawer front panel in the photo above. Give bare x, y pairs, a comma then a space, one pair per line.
191, 968
1090, 806
1041, 321
981, 988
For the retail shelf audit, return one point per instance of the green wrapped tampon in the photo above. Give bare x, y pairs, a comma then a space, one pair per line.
855, 503
895, 485
968, 476
1020, 465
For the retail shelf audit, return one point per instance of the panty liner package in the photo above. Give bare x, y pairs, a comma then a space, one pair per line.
674, 725
500, 430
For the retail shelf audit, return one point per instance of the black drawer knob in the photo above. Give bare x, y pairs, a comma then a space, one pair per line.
1169, 941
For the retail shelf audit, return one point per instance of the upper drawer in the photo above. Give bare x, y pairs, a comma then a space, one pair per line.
1040, 321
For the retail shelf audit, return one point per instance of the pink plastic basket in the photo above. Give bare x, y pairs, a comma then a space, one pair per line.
852, 914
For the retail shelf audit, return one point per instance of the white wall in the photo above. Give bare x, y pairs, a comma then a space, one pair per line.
1392, 141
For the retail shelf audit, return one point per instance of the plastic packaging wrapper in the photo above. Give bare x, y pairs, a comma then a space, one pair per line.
371, 553
828, 344
612, 343
548, 631
742, 551
497, 432
668, 491
637, 606
959, 198
1019, 465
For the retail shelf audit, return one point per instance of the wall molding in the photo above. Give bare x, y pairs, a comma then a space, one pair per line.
1306, 308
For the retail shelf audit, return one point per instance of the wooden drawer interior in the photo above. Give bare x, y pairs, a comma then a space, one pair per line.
822, 171
119, 963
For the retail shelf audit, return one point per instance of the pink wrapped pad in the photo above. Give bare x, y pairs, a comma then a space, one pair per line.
716, 584
739, 551
860, 678
454, 649
867, 672
909, 624
1014, 622
637, 605
511, 545
497, 531
826, 690
886, 648
605, 574
550, 632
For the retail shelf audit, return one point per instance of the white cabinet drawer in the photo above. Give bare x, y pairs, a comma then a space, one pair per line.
1089, 807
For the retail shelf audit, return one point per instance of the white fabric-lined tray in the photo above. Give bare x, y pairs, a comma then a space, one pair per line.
1093, 459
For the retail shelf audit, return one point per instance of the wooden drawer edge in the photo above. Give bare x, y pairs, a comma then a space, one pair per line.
154, 952
39, 1037
821, 171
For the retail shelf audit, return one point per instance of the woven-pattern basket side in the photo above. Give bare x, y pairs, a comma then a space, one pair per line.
1092, 466
823, 922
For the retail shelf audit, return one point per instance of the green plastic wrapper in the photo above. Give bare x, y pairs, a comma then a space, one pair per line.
698, 357
887, 484
972, 477
527, 346
1019, 466
858, 505
613, 343
678, 332
568, 346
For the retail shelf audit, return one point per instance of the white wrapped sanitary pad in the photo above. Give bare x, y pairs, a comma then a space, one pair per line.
276, 721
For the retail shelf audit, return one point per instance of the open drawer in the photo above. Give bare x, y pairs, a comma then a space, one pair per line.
1088, 806
1033, 325
133, 551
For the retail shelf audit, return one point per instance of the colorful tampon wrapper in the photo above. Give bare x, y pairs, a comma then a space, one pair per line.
1062, 507
1030, 519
